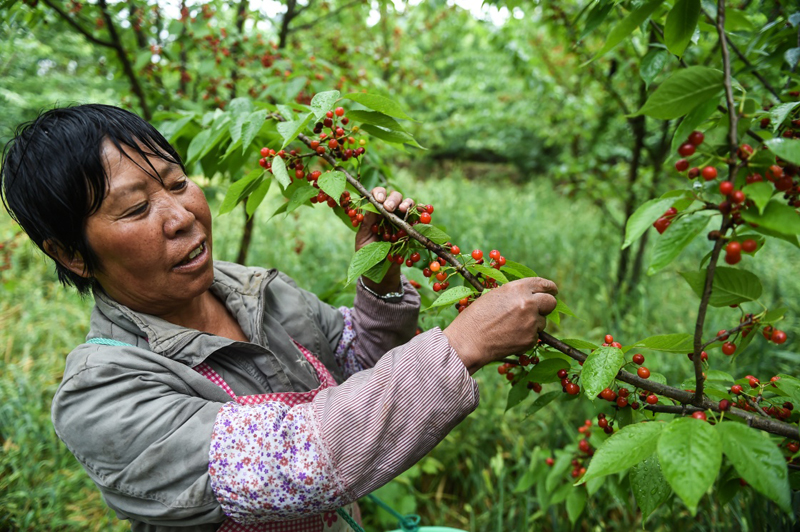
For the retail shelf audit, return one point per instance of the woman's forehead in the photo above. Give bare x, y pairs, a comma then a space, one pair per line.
136, 164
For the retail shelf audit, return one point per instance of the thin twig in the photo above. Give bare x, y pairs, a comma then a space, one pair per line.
72, 22
733, 119
746, 323
755, 405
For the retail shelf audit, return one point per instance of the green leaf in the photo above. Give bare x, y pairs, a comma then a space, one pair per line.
432, 233
681, 23
626, 26
758, 461
379, 103
595, 17
488, 271
576, 502
600, 369
789, 386
280, 173
731, 286
561, 308
251, 128
683, 91
451, 295
580, 344
300, 197
377, 272
652, 64
547, 370
376, 119
779, 113
397, 137
255, 199
520, 270
543, 400
240, 190
760, 192
692, 121
776, 216
625, 448
690, 452
197, 146
643, 218
333, 184
518, 392
290, 130
667, 343
786, 149
675, 239
322, 102
649, 485
367, 257
774, 315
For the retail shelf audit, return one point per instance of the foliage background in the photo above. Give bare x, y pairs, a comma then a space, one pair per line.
528, 152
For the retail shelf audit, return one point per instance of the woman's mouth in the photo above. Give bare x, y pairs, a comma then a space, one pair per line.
195, 256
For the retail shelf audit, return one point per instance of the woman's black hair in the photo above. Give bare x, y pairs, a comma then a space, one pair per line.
54, 177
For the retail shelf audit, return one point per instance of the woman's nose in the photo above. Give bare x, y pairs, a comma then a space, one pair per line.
178, 217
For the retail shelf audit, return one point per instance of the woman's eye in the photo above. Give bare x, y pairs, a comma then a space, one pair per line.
139, 209
180, 185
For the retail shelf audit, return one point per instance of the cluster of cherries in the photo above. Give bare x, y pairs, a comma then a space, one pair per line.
585, 449
524, 361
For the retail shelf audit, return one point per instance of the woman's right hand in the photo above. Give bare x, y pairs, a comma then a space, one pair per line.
503, 322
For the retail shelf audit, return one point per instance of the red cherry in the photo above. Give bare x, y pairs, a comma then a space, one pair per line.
696, 138
793, 447
549, 462
609, 338
329, 114
638, 359
686, 149
441, 276
749, 245
729, 348
652, 399
724, 405
583, 445
733, 247
477, 254
709, 173
661, 224
745, 151
622, 402
733, 258
437, 287
778, 337
339, 111
776, 171
725, 188
455, 250
427, 272
562, 373
608, 394
753, 382
643, 372
738, 196
425, 218
494, 254
434, 266
681, 165
333, 144
693, 172
572, 388
700, 415
736, 389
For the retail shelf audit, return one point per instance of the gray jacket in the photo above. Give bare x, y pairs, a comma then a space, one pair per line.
139, 419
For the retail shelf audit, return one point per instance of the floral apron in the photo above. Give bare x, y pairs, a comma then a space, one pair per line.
326, 522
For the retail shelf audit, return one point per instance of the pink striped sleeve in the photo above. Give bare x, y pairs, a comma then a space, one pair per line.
382, 421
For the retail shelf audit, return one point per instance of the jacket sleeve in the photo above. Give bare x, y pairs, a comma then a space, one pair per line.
143, 437
273, 462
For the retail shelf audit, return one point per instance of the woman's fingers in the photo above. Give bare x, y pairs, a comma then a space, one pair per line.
379, 193
405, 205
393, 200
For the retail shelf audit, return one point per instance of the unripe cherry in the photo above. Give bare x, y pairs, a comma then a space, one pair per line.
434, 266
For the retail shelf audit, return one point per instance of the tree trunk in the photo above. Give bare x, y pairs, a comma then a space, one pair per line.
247, 236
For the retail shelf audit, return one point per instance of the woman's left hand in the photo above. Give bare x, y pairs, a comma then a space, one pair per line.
392, 202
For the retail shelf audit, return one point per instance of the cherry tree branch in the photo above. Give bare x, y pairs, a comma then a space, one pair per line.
726, 66
72, 22
746, 323
766, 424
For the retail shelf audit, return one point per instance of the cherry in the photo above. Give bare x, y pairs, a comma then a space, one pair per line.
339, 111
686, 149
609, 339
441, 276
623, 392
549, 462
696, 137
733, 248
749, 245
434, 266
793, 447
724, 405
477, 254
425, 218
778, 337
777, 172
709, 173
661, 224
333, 144
616, 344
753, 382
602, 423
609, 429
638, 359
738, 196
320, 150
502, 369
537, 388
744, 152
736, 389
437, 287
572, 388
753, 178
455, 250
584, 446
681, 165
346, 121
329, 114
622, 402
725, 188
427, 272
700, 415
494, 255
652, 399
733, 258
608, 394
524, 360
729, 348
694, 172
562, 374
643, 372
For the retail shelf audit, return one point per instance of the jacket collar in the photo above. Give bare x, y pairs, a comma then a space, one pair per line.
238, 287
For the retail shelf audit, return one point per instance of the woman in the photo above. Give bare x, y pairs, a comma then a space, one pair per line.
210, 395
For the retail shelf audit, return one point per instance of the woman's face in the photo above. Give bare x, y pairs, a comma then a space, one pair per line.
152, 239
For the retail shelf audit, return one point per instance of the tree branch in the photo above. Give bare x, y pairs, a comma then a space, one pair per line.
768, 425
72, 22
726, 64
326, 15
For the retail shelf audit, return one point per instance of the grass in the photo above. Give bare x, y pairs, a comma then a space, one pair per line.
468, 481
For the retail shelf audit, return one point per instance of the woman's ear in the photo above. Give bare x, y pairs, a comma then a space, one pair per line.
72, 262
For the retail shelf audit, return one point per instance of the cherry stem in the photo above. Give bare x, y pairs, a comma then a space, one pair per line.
755, 405
746, 323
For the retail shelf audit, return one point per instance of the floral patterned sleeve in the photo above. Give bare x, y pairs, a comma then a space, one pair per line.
345, 353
